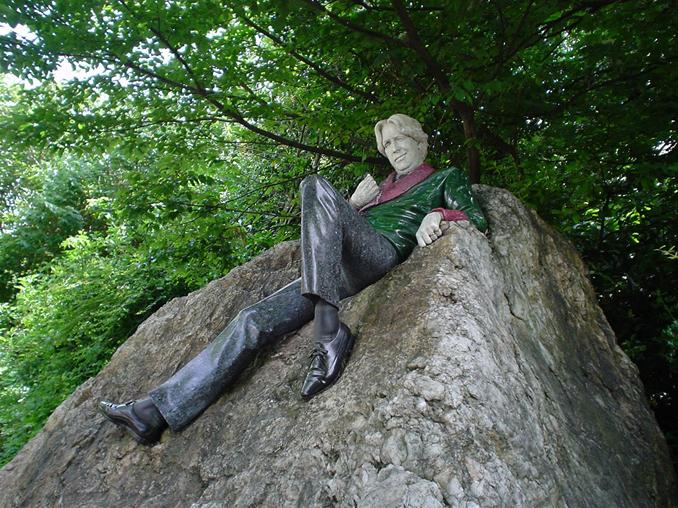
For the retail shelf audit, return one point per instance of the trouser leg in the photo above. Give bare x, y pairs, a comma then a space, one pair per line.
341, 252
202, 380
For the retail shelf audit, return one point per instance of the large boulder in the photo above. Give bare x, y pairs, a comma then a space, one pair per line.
484, 374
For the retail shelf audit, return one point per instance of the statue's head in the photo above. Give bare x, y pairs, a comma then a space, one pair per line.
401, 139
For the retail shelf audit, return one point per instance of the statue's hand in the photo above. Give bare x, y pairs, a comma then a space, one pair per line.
431, 229
366, 191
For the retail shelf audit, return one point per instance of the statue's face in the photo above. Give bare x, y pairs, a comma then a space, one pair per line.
403, 152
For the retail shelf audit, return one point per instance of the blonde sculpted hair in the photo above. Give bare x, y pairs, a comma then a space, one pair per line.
407, 126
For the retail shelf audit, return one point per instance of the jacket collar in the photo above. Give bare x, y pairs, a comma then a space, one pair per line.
391, 188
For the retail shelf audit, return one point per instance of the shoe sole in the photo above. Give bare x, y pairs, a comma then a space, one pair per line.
342, 366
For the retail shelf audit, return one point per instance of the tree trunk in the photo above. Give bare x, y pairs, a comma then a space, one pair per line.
470, 133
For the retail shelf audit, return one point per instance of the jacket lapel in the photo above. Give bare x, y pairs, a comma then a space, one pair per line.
391, 188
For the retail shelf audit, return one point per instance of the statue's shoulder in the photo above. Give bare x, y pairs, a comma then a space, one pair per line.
440, 176
450, 170
453, 173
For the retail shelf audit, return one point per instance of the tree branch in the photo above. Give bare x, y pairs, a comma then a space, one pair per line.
333, 79
295, 144
464, 110
219, 207
354, 26
390, 9
232, 114
198, 84
594, 86
419, 47
542, 31
164, 121
150, 74
199, 91
499, 144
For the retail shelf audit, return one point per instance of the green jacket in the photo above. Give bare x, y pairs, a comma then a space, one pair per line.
399, 218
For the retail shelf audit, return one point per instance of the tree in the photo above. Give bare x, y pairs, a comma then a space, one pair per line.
571, 105
257, 66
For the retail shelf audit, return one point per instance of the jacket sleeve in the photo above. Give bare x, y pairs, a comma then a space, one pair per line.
459, 198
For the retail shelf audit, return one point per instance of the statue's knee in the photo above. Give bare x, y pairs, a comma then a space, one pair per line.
247, 319
313, 181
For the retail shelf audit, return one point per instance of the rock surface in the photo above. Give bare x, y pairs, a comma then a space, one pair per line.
484, 375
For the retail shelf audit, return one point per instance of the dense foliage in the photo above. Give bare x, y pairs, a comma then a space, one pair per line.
173, 149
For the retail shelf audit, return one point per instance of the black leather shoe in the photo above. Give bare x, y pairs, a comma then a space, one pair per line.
327, 362
145, 430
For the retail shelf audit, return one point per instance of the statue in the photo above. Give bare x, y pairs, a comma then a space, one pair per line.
346, 246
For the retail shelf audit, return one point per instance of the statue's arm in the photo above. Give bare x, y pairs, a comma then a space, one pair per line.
430, 229
366, 191
459, 201
460, 205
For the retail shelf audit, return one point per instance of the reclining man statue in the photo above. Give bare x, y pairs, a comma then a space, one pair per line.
345, 246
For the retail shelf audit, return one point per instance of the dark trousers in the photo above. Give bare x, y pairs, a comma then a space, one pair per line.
341, 254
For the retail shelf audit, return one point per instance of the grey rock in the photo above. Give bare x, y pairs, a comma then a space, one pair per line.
484, 375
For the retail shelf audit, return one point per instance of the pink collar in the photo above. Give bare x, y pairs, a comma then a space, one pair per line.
391, 188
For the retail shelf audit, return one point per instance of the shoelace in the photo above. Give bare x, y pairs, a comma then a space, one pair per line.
319, 351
